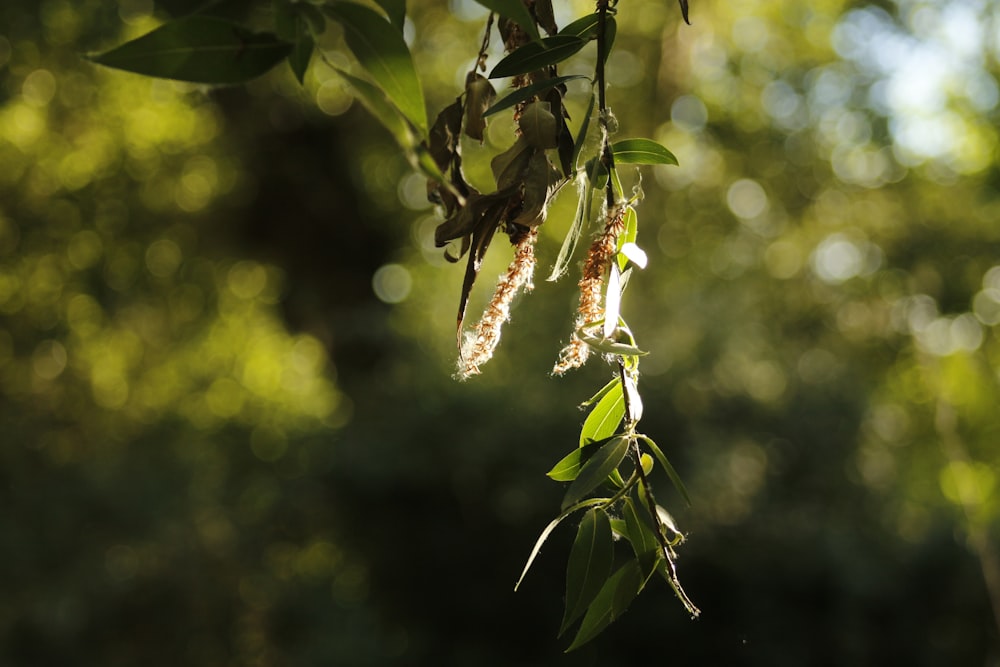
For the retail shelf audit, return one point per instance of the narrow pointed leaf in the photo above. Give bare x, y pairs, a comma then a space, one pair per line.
515, 11
536, 55
569, 466
642, 151
572, 236
526, 93
581, 136
603, 420
548, 531
385, 57
671, 473
384, 111
684, 10
601, 393
586, 28
200, 49
628, 236
596, 470
641, 536
612, 301
589, 565
634, 254
611, 602
396, 11
610, 346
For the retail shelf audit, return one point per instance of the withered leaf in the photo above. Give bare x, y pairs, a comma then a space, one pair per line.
487, 226
479, 95
509, 165
541, 180
684, 11
443, 140
546, 17
538, 125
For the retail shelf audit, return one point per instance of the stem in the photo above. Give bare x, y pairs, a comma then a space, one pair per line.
668, 552
607, 157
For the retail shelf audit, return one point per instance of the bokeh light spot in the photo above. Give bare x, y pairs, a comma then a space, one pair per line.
163, 257
391, 283
746, 198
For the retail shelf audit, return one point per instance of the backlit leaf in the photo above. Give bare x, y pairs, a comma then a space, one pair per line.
548, 531
641, 536
384, 55
674, 477
596, 470
642, 151
603, 420
611, 602
200, 49
589, 565
569, 466
536, 55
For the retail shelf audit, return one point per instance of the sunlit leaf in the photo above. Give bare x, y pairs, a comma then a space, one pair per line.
200, 49
634, 402
516, 11
526, 93
596, 470
611, 602
610, 346
548, 531
628, 236
536, 55
601, 393
603, 420
612, 301
590, 561
569, 466
674, 477
385, 57
635, 254
642, 151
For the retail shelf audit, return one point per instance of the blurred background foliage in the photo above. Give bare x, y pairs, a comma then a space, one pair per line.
230, 436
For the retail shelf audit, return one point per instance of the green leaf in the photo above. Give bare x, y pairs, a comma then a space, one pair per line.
603, 420
596, 470
581, 136
601, 393
396, 11
569, 466
610, 346
515, 11
385, 56
383, 110
611, 602
199, 49
628, 236
586, 28
526, 93
671, 473
642, 151
641, 536
536, 55
548, 531
589, 565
